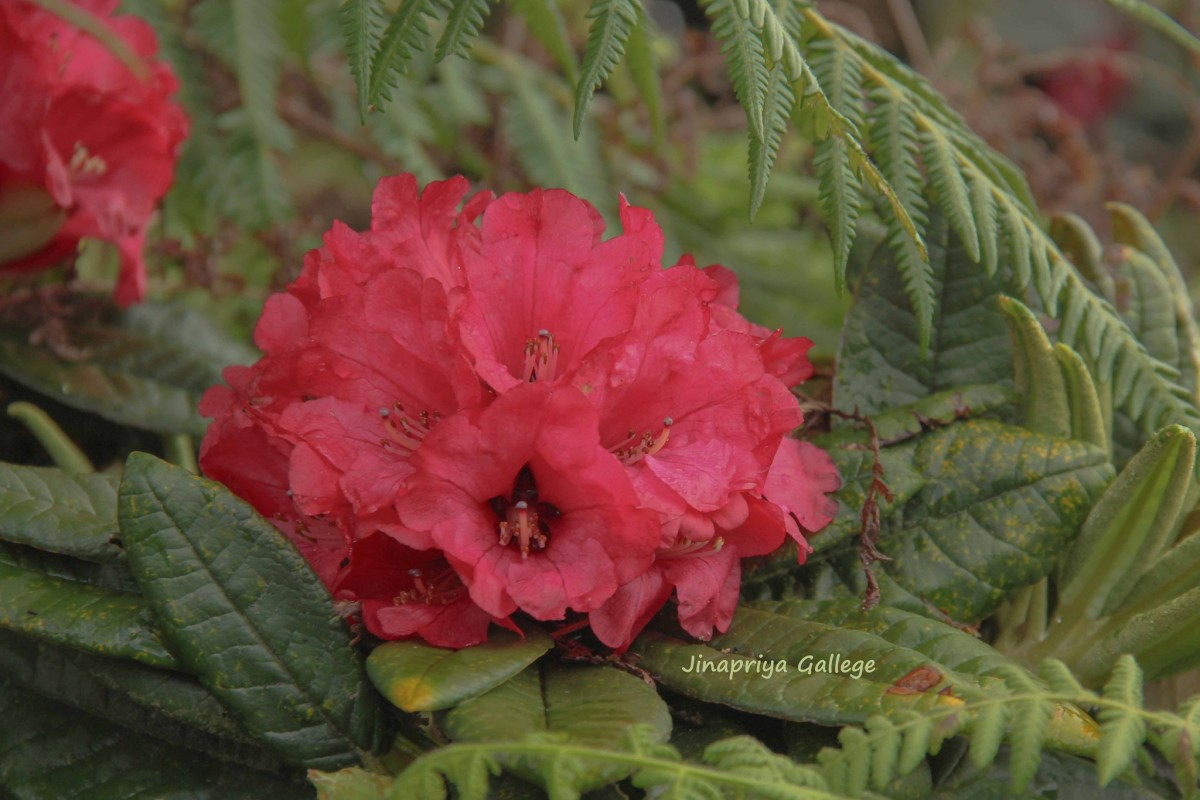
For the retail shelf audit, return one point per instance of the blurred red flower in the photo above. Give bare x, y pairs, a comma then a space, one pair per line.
497, 410
87, 144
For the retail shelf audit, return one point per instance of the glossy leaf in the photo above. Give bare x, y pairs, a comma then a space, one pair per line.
997, 506
919, 664
57, 752
46, 508
246, 614
101, 621
416, 676
591, 706
880, 364
145, 367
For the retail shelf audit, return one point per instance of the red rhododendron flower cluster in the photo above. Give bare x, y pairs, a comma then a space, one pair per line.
468, 412
87, 147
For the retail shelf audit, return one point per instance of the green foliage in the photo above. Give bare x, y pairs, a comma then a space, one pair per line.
416, 676
1020, 710
245, 612
75, 515
362, 27
145, 367
462, 25
612, 23
589, 706
741, 765
56, 752
104, 622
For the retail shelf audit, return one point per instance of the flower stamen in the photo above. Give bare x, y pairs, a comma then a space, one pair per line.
636, 447
541, 358
523, 523
686, 548
404, 431
442, 590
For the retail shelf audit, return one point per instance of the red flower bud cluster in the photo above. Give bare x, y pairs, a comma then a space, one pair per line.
88, 142
467, 412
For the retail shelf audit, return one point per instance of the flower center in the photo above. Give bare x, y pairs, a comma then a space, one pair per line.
405, 431
435, 588
637, 446
541, 357
524, 519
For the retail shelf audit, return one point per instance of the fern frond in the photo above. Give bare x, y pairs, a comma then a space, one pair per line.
362, 25
840, 76
886, 741
1031, 716
892, 135
988, 726
951, 188
546, 23
880, 67
778, 102
1058, 677
996, 199
987, 225
1160, 22
463, 24
740, 766
612, 22
745, 57
406, 33
841, 201
1122, 727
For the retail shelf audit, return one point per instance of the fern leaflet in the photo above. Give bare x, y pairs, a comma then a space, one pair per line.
1122, 727
951, 187
745, 57
777, 110
362, 25
407, 32
892, 134
612, 22
841, 199
462, 25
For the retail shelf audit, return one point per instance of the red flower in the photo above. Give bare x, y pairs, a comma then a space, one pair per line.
494, 410
531, 510
87, 147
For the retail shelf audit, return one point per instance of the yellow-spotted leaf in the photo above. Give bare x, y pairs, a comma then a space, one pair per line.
416, 676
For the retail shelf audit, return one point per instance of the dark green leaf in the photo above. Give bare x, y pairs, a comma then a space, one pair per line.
246, 613
998, 506
880, 364
145, 367
836, 664
56, 752
75, 515
98, 620
419, 677
172, 707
